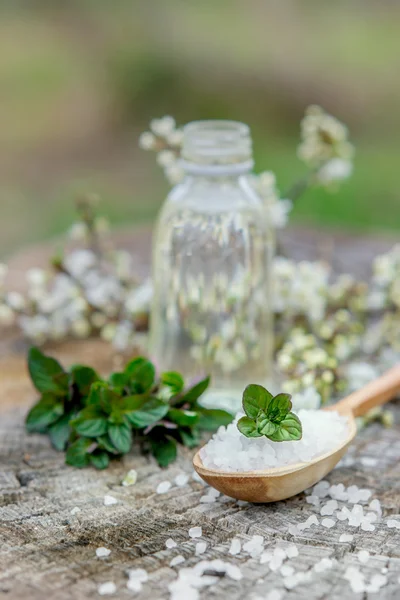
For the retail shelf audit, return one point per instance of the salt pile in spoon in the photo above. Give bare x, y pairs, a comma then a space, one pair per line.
229, 450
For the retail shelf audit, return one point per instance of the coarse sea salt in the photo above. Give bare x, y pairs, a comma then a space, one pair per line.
163, 487
170, 543
201, 548
195, 532
235, 547
107, 589
110, 500
229, 450
181, 479
102, 552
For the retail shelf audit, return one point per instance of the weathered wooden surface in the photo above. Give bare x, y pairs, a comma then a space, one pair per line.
47, 552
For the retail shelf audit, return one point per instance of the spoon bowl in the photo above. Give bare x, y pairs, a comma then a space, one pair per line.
279, 483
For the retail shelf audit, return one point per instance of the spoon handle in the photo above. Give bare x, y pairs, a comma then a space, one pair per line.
373, 394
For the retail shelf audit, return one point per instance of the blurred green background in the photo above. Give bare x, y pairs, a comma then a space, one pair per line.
80, 80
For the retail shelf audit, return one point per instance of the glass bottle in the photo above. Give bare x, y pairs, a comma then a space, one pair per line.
211, 311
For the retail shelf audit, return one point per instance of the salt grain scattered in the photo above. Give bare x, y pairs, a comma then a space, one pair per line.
75, 510
181, 479
255, 546
110, 500
328, 523
170, 543
329, 508
107, 589
201, 547
163, 487
102, 552
229, 450
235, 547
384, 570
138, 575
375, 505
195, 532
363, 556
177, 560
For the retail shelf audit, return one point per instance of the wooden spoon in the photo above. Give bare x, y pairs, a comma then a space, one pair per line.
271, 485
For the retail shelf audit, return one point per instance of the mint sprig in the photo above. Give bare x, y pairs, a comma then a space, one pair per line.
95, 419
268, 415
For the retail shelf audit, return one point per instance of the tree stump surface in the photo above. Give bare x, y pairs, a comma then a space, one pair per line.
48, 552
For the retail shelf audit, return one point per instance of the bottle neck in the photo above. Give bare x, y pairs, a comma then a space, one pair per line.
217, 170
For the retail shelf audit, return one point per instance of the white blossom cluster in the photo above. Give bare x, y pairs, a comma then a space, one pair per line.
300, 288
325, 147
277, 209
166, 139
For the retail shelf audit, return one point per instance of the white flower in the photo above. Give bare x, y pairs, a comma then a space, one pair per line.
174, 174
81, 328
175, 138
36, 328
16, 301
163, 127
79, 262
279, 213
36, 277
147, 140
166, 158
323, 137
309, 399
337, 169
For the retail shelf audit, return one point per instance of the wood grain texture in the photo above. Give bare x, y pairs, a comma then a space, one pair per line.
48, 553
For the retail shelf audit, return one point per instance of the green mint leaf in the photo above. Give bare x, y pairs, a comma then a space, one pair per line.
116, 417
266, 427
120, 436
212, 418
141, 374
173, 380
104, 443
102, 397
289, 429
151, 411
193, 394
47, 374
119, 381
59, 432
130, 403
99, 459
248, 427
77, 455
83, 377
90, 422
183, 417
279, 407
44, 413
255, 398
164, 451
